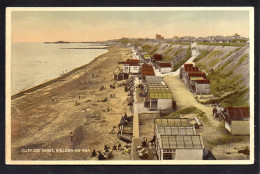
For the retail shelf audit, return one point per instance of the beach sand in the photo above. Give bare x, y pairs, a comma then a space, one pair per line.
43, 117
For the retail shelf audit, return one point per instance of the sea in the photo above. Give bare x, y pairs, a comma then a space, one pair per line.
36, 63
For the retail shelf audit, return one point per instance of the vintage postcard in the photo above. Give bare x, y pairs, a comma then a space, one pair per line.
130, 86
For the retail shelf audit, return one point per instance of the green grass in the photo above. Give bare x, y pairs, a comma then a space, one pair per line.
201, 66
225, 65
171, 57
168, 50
236, 99
224, 139
146, 47
242, 59
220, 83
214, 54
189, 110
180, 63
155, 49
221, 44
203, 53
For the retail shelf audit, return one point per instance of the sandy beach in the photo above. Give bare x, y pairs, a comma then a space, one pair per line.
44, 116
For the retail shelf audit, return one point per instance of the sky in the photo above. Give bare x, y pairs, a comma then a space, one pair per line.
77, 26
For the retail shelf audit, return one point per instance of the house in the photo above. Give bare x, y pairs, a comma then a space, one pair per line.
176, 139
237, 120
157, 57
202, 86
191, 76
160, 98
195, 79
131, 66
147, 70
165, 67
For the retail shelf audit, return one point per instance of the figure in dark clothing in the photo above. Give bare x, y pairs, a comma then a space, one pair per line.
94, 153
105, 148
71, 136
119, 146
114, 147
100, 156
125, 116
79, 97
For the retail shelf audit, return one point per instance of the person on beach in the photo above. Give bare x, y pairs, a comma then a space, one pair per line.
94, 153
119, 146
79, 97
52, 99
71, 136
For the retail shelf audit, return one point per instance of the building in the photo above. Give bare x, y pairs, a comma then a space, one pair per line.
157, 57
158, 37
195, 79
237, 120
131, 66
165, 67
147, 70
160, 98
176, 139
202, 86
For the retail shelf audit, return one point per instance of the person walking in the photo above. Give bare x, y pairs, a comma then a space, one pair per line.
71, 136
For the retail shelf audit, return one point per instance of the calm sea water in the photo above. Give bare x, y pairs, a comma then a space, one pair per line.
35, 63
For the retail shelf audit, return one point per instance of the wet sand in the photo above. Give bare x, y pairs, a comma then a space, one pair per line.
44, 116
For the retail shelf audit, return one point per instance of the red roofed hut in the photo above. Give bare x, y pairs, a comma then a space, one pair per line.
157, 57
131, 66
147, 70
202, 86
237, 120
165, 67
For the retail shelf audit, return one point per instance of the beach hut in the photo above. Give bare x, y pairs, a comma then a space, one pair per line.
237, 120
165, 67
157, 57
176, 139
160, 98
147, 70
202, 86
191, 78
131, 66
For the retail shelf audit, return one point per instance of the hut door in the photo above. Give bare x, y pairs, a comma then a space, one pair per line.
154, 104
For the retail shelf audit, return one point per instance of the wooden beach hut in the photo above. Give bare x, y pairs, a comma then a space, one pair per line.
237, 120
165, 67
176, 139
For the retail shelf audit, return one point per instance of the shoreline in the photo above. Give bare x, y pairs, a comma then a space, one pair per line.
55, 79
39, 122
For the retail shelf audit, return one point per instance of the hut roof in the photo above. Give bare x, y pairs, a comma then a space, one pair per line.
181, 142
147, 70
197, 74
196, 78
132, 62
160, 95
154, 79
176, 130
191, 69
165, 64
157, 56
179, 122
238, 113
203, 81
188, 65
